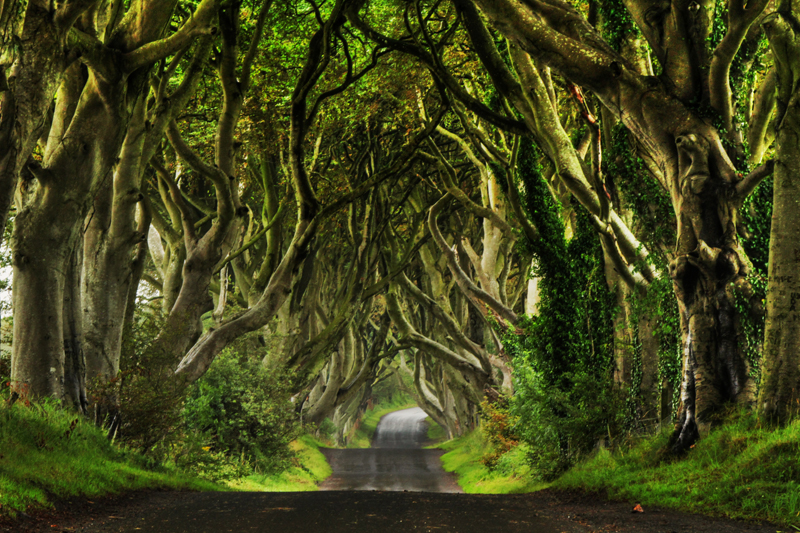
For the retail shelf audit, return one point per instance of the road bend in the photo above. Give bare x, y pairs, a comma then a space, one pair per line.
396, 461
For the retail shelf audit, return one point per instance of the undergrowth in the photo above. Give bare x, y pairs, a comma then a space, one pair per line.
739, 470
436, 433
47, 454
309, 468
511, 473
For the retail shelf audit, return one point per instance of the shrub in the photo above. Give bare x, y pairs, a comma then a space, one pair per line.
497, 425
142, 406
243, 409
561, 425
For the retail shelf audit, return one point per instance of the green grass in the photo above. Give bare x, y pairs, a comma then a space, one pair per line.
436, 433
362, 438
739, 470
512, 474
47, 454
309, 469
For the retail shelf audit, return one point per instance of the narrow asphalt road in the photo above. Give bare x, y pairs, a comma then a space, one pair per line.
395, 487
396, 461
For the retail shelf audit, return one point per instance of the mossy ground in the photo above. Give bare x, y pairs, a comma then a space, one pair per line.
511, 475
47, 454
739, 470
308, 470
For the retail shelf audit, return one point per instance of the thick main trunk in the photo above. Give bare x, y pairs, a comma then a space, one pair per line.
46, 231
779, 396
40, 260
109, 241
40, 62
715, 369
709, 274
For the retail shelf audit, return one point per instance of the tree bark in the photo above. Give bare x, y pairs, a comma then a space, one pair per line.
779, 396
109, 240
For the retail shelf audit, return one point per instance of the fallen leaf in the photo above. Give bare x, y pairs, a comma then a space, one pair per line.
638, 509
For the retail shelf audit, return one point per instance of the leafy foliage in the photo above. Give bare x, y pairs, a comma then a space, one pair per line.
646, 199
236, 420
243, 409
497, 425
564, 400
151, 401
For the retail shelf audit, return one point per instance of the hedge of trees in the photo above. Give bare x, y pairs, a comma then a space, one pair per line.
587, 206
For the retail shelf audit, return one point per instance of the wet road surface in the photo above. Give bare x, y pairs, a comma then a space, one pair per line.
396, 461
380, 512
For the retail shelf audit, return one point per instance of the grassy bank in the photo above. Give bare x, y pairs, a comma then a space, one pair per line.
308, 470
362, 438
511, 475
48, 454
739, 470
436, 433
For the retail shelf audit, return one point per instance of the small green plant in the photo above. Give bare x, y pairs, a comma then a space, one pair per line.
497, 425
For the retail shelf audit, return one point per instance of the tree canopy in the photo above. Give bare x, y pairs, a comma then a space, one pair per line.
587, 206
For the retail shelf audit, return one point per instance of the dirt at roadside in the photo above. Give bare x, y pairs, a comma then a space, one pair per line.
385, 512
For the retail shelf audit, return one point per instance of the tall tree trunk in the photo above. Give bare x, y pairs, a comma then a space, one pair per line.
46, 231
108, 277
26, 90
41, 259
623, 336
709, 270
649, 387
779, 396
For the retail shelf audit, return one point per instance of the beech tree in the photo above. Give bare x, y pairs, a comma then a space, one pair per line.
106, 55
387, 189
696, 160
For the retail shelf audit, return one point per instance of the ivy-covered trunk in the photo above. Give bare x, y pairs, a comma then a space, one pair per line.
693, 158
779, 396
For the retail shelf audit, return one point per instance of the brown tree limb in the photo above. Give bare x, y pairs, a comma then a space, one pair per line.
478, 297
740, 18
752, 180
